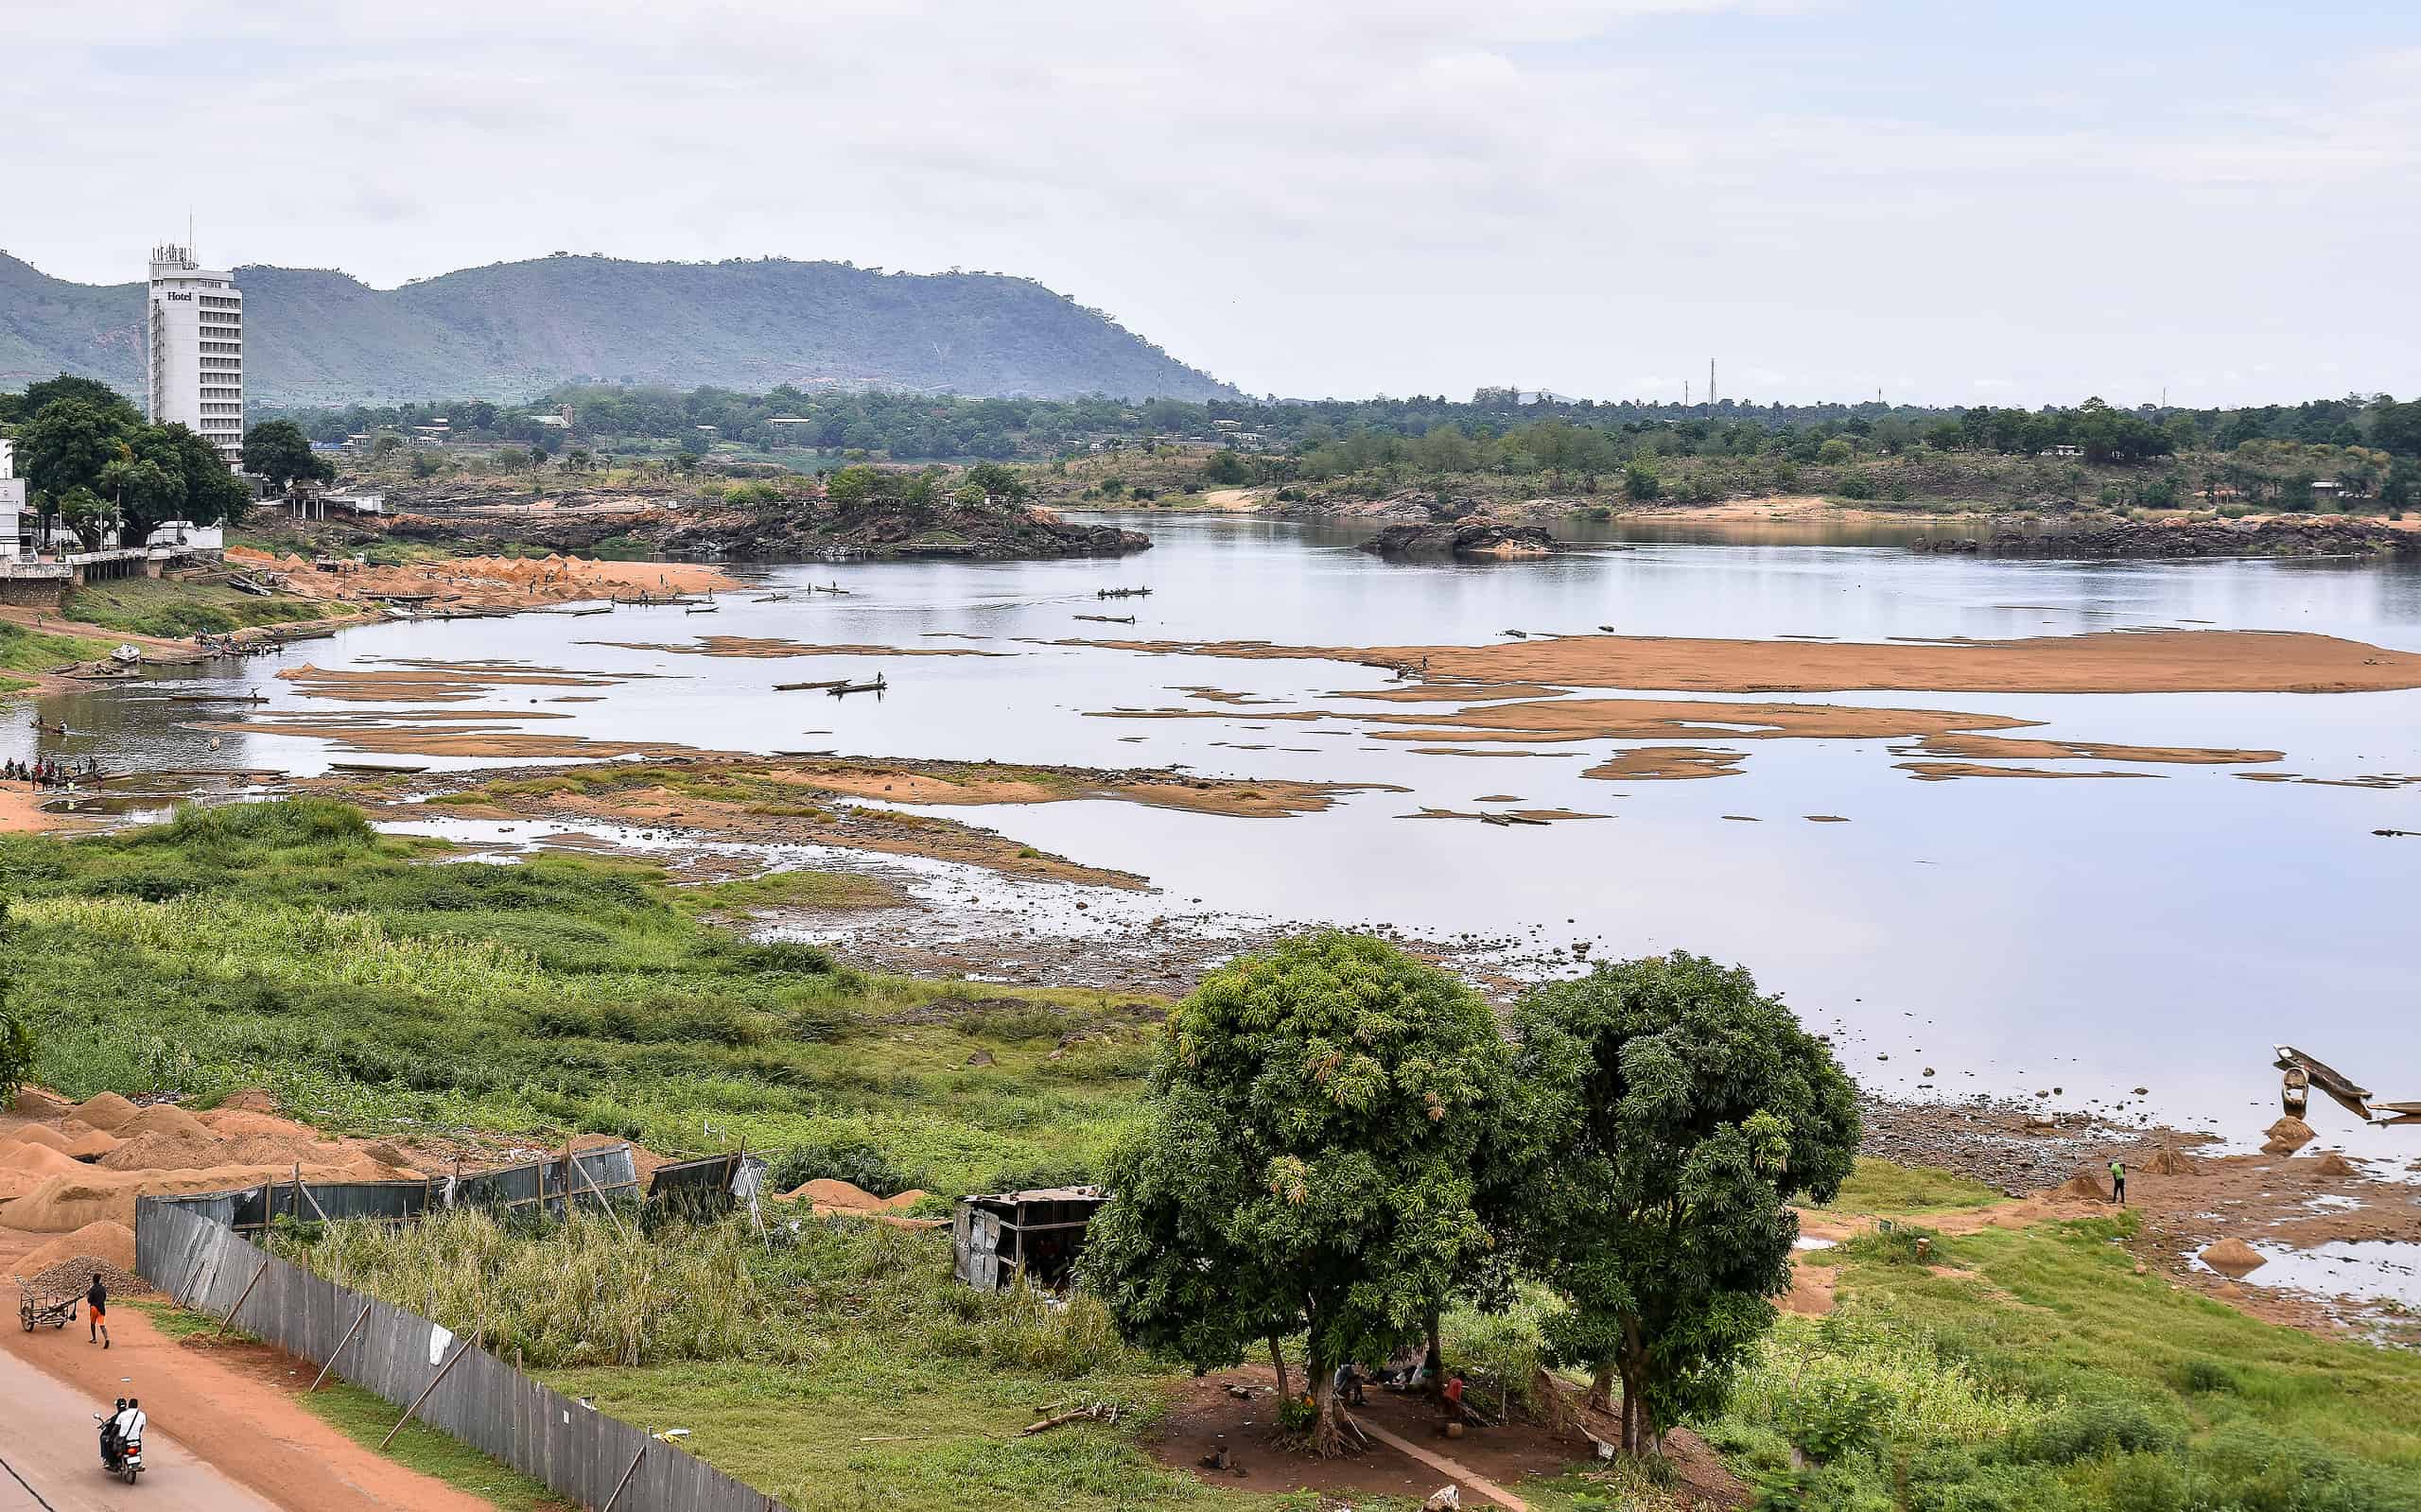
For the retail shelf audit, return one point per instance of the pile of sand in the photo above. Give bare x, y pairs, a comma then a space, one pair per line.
2234, 1259
2167, 1162
235, 1124
27, 1157
2085, 1184
2333, 1164
164, 1120
33, 1103
37, 1134
251, 1099
164, 1152
107, 1112
2287, 1136
830, 1198
69, 1260
84, 1141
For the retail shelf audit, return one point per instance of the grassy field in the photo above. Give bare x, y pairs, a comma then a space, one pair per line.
24, 649
164, 607
286, 946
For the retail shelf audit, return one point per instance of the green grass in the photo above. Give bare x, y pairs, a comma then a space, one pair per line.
2052, 1374
168, 608
1886, 1189
23, 649
286, 946
794, 889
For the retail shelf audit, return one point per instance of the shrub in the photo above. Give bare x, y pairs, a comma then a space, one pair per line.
2087, 1430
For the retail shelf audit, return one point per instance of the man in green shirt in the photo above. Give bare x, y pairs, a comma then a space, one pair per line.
2118, 1181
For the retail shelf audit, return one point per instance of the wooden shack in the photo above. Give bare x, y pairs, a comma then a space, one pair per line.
1034, 1234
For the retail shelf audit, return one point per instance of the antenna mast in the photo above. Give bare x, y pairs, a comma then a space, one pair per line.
1710, 382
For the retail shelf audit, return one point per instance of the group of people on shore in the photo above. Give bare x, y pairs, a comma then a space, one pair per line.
50, 774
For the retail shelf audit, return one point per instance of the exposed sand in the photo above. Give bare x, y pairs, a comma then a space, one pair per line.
1644, 719
2021, 748
388, 739
1668, 763
21, 811
2171, 661
1951, 771
770, 649
406, 681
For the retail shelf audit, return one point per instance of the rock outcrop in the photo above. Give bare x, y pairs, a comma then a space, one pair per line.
2312, 537
1478, 543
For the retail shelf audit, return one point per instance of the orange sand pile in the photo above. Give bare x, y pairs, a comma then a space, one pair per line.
2234, 1257
487, 582
2333, 1164
830, 1198
2167, 1162
107, 1111
70, 1261
2085, 1184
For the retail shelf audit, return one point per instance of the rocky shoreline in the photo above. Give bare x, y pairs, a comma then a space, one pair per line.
2200, 538
1485, 541
803, 532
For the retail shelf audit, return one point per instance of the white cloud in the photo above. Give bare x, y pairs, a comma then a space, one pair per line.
1337, 197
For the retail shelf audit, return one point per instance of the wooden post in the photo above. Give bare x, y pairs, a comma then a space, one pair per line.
229, 1321
441, 1374
602, 1201
340, 1349
625, 1480
314, 1202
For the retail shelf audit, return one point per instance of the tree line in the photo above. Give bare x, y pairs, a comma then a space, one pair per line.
95, 466
918, 427
1338, 1143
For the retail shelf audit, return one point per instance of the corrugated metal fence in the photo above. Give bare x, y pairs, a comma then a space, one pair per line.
184, 1247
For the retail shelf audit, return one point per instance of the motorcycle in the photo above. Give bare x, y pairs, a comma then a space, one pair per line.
125, 1460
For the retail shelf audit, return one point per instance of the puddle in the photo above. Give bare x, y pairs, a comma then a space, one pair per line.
2371, 1270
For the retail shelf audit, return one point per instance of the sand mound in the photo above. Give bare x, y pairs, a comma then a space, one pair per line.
2287, 1136
39, 1134
164, 1119
2167, 1162
251, 1099
2234, 1259
2333, 1164
165, 1152
236, 1124
842, 1196
37, 1161
2085, 1184
72, 1258
33, 1103
107, 1111
84, 1141
63, 1204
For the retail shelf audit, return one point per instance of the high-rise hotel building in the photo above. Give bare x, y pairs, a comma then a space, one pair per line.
197, 349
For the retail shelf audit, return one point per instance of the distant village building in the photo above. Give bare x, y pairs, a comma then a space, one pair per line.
793, 430
195, 349
2061, 451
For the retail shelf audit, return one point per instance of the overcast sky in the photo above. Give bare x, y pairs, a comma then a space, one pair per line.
1958, 203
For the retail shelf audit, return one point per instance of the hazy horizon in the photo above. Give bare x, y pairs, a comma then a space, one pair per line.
2028, 205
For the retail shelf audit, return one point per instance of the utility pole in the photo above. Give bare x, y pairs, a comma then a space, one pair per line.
1710, 382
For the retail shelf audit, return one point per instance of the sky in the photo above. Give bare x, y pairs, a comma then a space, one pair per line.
1951, 201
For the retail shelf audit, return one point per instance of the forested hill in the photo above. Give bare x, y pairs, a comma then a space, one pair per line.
513, 330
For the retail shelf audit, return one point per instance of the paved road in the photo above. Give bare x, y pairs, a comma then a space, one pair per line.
51, 1444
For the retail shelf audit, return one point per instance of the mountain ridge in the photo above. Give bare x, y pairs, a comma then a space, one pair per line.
514, 330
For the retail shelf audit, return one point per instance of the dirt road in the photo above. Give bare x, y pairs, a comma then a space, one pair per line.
235, 1402
50, 1446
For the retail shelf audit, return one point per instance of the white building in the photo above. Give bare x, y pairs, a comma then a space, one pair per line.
197, 349
16, 527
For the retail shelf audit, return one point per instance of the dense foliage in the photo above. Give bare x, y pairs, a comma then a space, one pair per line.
91, 461
1682, 1111
1495, 430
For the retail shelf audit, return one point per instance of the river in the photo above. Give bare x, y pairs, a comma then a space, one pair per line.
2160, 930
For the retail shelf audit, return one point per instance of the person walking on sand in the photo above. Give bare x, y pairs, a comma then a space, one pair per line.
2119, 1182
96, 1307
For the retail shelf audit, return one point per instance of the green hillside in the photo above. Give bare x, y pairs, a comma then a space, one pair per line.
516, 329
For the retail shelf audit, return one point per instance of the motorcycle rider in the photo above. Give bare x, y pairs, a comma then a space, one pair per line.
129, 1424
109, 1435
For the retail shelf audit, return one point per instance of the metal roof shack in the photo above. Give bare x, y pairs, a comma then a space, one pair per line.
1034, 1236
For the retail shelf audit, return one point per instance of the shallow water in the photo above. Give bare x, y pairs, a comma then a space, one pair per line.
2090, 936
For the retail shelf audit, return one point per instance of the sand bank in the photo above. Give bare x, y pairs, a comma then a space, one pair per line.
2176, 661
763, 648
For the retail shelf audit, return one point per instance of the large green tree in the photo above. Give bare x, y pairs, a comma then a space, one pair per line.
1682, 1111
67, 443
1307, 1164
278, 450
